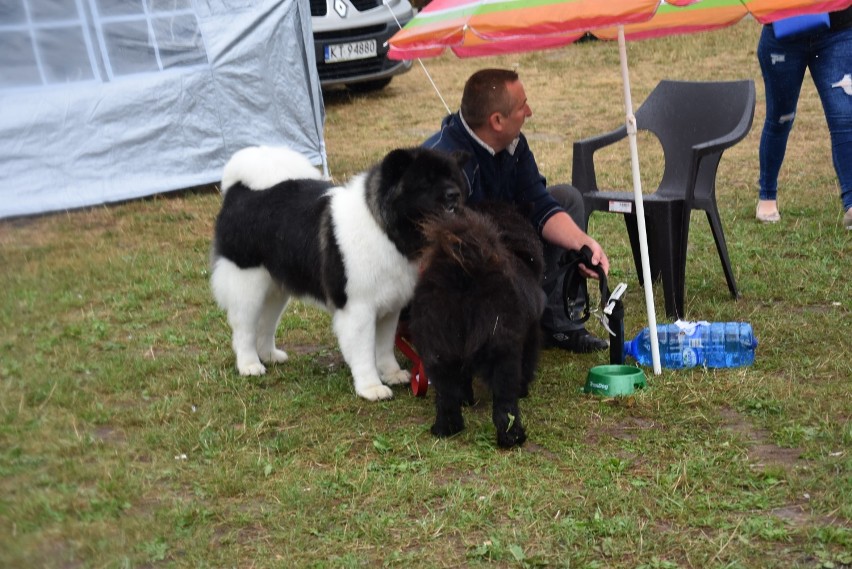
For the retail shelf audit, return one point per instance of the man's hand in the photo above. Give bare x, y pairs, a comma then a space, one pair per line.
561, 230
598, 258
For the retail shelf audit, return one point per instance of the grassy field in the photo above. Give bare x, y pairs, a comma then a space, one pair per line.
128, 440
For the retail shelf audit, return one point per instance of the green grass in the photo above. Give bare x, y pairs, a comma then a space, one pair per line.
128, 439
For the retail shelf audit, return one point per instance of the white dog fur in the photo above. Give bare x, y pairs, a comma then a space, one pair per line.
380, 281
261, 167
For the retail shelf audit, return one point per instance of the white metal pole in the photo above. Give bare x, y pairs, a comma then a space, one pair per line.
639, 204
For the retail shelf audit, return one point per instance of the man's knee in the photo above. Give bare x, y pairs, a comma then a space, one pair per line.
571, 201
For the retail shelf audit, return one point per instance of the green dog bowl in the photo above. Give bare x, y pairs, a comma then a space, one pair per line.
613, 380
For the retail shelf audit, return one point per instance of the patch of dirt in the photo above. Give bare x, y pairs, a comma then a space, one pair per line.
798, 515
534, 448
303, 349
226, 535
627, 429
56, 553
322, 355
448, 475
630, 427
762, 451
795, 515
108, 434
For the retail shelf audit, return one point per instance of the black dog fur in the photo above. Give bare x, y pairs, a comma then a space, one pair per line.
476, 311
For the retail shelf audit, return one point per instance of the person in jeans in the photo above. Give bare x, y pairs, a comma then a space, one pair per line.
828, 56
488, 126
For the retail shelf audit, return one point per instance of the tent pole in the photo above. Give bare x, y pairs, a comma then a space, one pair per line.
639, 204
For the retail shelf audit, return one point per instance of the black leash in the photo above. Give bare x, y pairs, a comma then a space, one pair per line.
573, 281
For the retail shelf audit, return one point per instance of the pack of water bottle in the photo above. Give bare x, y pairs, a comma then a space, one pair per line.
690, 344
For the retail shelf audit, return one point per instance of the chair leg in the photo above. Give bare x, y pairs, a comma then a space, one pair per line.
633, 234
681, 211
722, 248
665, 251
670, 237
632, 224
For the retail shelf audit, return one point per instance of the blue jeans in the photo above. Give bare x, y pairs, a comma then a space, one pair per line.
828, 55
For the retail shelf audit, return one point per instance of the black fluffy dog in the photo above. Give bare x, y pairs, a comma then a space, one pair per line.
476, 311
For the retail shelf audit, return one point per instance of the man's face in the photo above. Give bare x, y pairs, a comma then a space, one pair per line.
514, 121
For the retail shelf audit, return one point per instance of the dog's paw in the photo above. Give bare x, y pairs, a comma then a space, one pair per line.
252, 369
514, 437
375, 392
276, 357
447, 427
397, 377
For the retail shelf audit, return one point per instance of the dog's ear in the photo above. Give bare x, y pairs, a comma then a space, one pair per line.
397, 162
461, 157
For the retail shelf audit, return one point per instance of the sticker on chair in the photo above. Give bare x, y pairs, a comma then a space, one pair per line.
620, 207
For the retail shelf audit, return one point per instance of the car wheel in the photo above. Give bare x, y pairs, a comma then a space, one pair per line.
368, 86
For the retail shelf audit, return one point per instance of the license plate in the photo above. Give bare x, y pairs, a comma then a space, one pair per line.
350, 51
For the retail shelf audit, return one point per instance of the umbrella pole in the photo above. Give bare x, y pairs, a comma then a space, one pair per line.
639, 204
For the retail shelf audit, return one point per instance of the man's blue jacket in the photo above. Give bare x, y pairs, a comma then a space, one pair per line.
509, 175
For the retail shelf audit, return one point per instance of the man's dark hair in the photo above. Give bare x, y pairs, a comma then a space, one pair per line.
484, 93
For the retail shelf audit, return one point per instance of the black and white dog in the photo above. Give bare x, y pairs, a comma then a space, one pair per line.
283, 232
476, 311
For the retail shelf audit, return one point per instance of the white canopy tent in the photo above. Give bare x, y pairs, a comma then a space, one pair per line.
108, 100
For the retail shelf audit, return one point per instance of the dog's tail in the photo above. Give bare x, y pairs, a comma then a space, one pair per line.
261, 167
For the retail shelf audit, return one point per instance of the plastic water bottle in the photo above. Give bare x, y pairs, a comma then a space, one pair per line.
690, 344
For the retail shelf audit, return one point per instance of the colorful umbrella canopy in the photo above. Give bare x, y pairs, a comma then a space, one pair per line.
492, 27
687, 16
472, 28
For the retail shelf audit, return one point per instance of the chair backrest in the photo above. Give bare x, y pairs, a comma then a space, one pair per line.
683, 114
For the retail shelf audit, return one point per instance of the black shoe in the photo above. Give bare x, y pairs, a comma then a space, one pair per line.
577, 341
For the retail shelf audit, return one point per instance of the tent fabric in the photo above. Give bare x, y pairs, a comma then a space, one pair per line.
109, 100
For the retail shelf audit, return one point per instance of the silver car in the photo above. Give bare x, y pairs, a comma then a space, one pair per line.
350, 40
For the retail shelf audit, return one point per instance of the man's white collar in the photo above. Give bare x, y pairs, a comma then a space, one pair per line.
510, 149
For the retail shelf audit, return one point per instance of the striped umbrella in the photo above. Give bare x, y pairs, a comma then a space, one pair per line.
490, 27
473, 28
687, 16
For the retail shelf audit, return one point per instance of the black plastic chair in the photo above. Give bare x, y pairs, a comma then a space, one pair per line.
694, 122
